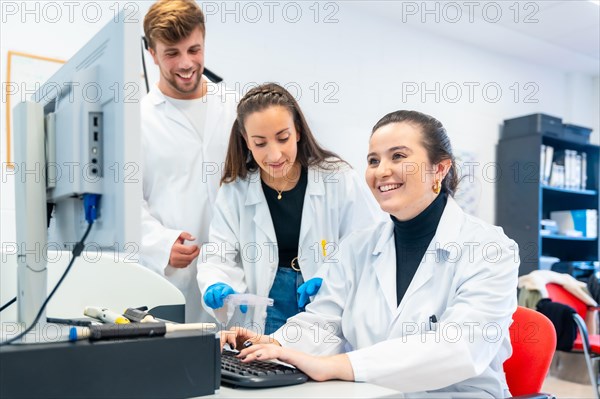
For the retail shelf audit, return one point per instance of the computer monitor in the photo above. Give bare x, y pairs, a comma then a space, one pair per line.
79, 135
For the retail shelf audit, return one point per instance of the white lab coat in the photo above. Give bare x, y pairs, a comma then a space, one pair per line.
242, 247
467, 279
179, 170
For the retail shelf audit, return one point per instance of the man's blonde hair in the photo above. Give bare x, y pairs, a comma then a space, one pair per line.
170, 21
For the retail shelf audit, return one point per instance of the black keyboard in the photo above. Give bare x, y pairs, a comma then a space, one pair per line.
257, 374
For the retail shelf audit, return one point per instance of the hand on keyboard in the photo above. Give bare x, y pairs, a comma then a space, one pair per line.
319, 368
237, 336
258, 374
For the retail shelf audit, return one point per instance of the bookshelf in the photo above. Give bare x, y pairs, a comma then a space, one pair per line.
523, 200
571, 191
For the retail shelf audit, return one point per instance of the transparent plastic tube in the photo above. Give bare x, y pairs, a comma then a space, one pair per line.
248, 299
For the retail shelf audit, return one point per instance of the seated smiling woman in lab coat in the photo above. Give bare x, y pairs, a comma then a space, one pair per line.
284, 205
423, 301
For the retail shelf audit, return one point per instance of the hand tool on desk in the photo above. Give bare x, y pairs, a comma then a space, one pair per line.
105, 315
108, 331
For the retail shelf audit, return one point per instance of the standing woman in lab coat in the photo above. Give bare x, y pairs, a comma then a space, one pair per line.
284, 205
425, 299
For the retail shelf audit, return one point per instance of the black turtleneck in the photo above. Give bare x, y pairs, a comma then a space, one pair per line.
412, 238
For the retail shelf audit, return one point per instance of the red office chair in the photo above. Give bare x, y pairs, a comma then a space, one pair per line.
587, 344
533, 340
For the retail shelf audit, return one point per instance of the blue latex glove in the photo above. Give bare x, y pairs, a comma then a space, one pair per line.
308, 289
216, 293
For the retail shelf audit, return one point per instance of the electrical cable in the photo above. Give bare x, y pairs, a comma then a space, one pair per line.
213, 77
76, 252
8, 304
145, 47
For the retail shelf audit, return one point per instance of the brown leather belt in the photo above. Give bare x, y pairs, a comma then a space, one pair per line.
295, 265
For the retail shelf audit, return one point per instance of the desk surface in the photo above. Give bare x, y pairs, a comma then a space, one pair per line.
327, 389
338, 389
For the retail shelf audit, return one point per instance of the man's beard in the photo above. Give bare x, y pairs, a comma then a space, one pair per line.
175, 84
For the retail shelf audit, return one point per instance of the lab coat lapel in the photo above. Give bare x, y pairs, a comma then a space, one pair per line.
214, 114
262, 216
385, 265
211, 157
424, 273
172, 113
314, 187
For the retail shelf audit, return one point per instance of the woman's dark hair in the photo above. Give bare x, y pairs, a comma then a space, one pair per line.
434, 139
239, 160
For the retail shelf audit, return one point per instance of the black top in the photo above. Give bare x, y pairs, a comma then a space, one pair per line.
286, 214
412, 238
562, 317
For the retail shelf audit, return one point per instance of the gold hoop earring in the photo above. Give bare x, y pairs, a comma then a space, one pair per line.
437, 187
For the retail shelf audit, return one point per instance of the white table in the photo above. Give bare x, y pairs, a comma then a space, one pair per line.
327, 389
337, 389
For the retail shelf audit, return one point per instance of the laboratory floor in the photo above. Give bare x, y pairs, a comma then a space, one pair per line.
566, 389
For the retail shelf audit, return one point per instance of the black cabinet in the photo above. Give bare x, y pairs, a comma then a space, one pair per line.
523, 198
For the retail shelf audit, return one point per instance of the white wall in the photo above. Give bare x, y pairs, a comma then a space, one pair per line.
365, 64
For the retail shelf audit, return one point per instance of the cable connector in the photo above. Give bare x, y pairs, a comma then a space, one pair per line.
79, 247
91, 204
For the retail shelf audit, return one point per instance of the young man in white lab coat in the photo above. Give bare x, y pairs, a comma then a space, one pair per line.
186, 122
